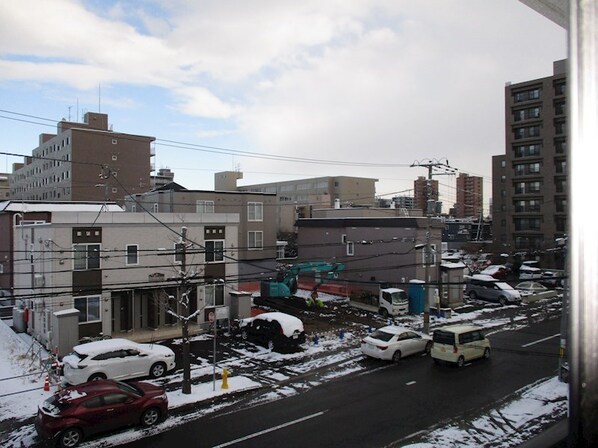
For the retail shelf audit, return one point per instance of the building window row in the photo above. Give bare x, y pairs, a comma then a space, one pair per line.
522, 169
528, 150
528, 206
528, 223
89, 308
526, 114
526, 132
528, 187
526, 95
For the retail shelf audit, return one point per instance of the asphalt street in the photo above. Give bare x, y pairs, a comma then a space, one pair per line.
382, 405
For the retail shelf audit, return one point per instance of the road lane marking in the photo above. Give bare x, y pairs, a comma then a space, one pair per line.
410, 383
541, 340
266, 431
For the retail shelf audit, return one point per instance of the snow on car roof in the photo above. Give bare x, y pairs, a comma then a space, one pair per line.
484, 277
394, 329
289, 323
92, 348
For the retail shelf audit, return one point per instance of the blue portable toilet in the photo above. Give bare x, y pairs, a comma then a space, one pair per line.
417, 296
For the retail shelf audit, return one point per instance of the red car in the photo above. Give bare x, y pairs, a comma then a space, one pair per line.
78, 411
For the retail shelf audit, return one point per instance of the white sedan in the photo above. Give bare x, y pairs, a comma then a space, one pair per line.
119, 359
392, 343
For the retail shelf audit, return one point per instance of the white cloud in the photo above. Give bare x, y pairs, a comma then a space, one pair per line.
341, 80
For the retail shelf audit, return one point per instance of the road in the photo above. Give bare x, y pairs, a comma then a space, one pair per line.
383, 404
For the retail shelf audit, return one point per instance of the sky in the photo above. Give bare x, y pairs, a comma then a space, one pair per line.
277, 89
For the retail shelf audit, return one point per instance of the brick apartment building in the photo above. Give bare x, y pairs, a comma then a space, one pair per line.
529, 181
84, 162
469, 196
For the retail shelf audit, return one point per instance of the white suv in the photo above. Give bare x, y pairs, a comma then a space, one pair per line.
117, 359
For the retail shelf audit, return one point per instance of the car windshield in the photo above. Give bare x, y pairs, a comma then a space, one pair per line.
382, 335
78, 355
54, 405
399, 297
130, 388
503, 285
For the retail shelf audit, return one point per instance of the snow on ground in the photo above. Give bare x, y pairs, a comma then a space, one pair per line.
509, 423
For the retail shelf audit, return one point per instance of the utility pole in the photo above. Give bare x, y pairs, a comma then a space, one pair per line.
448, 170
184, 301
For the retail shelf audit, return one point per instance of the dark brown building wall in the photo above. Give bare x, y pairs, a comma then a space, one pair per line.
127, 158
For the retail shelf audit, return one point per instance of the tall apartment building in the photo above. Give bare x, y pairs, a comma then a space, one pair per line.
470, 201
84, 162
420, 188
529, 181
164, 176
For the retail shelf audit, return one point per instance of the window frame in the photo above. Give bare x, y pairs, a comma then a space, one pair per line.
255, 246
77, 259
96, 298
204, 206
217, 254
255, 211
128, 255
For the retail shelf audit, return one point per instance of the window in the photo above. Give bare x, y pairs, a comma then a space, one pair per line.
350, 248
132, 254
344, 238
155, 208
89, 308
204, 207
214, 251
86, 257
214, 294
255, 211
255, 240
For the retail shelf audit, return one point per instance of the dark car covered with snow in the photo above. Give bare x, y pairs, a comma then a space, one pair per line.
276, 331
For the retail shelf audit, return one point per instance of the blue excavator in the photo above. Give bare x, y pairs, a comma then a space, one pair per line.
285, 283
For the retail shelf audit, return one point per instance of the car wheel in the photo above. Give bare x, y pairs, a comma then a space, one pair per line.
460, 361
473, 295
270, 345
70, 438
158, 370
502, 300
96, 376
487, 353
396, 356
383, 312
244, 335
150, 417
428, 348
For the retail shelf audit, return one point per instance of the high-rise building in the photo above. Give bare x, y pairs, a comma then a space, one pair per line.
84, 162
529, 181
470, 201
420, 188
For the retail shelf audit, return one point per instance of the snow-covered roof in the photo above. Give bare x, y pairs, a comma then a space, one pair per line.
31, 207
289, 323
453, 265
96, 347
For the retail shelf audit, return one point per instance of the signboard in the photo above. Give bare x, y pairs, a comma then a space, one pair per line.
222, 312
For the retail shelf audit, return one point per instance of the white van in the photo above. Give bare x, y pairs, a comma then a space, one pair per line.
486, 287
458, 344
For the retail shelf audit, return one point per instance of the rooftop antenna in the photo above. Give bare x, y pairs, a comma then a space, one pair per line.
70, 107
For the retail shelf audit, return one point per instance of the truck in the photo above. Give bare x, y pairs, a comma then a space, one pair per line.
388, 302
